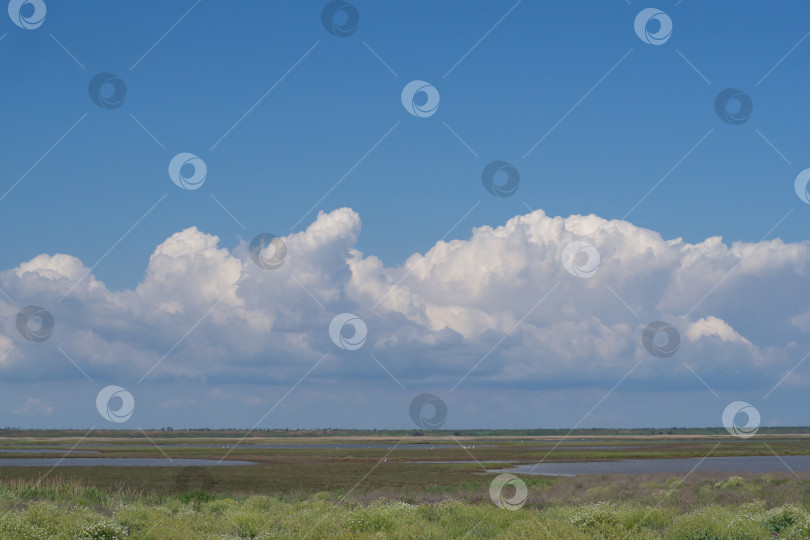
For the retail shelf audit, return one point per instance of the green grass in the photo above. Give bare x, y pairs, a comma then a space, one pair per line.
381, 493
285, 471
66, 509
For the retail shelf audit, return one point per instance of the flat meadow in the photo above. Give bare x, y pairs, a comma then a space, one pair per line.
409, 485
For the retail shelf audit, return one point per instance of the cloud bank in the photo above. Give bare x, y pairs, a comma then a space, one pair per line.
496, 309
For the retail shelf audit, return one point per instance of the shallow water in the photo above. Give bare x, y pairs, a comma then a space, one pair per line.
116, 462
44, 451
735, 464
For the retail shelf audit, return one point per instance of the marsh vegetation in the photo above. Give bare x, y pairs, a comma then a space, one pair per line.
370, 487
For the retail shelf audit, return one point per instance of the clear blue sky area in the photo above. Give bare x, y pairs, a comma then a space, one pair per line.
188, 88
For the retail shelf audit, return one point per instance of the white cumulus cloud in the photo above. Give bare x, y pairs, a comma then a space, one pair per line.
495, 308
713, 327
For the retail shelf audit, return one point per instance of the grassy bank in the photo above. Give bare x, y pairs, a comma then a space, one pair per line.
64, 508
429, 484
390, 467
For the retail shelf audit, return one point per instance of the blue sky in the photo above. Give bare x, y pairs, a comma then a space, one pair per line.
616, 116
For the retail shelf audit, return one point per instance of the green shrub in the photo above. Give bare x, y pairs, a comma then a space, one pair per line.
675, 483
102, 531
14, 526
734, 482
196, 496
595, 516
247, 524
716, 523
95, 495
368, 521
199, 515
220, 506
784, 517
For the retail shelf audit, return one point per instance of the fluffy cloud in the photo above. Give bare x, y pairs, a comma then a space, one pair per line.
802, 321
714, 327
498, 305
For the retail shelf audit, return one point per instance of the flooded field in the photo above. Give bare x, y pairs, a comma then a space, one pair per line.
731, 465
116, 462
398, 461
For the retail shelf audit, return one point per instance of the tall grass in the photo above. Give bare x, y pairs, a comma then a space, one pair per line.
66, 509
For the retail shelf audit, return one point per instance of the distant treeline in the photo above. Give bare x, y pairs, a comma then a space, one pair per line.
170, 432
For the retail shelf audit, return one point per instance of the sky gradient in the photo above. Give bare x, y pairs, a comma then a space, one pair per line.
617, 143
